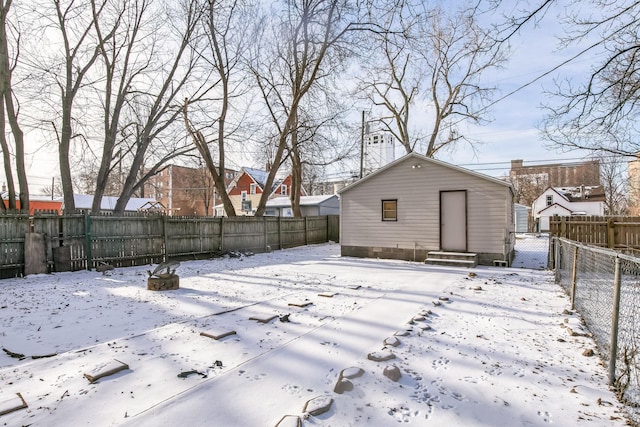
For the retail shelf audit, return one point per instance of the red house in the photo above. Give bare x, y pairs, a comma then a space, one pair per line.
36, 204
246, 189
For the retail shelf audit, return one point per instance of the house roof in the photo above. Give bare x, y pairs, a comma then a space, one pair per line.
108, 203
582, 193
554, 205
424, 159
281, 202
259, 176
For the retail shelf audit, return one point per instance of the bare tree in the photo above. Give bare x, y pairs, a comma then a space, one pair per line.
8, 111
142, 82
68, 69
528, 188
614, 183
305, 48
437, 57
596, 112
225, 40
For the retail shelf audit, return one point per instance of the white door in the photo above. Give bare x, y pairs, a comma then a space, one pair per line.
453, 221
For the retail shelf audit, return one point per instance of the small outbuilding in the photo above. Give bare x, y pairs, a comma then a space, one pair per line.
309, 206
417, 205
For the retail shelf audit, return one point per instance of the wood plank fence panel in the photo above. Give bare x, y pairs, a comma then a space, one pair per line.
244, 233
130, 240
126, 241
292, 232
620, 233
13, 227
192, 236
333, 228
273, 232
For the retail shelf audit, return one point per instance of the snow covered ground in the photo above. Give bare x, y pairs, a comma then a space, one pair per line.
473, 347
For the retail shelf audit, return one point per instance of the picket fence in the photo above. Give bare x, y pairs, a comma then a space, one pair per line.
86, 241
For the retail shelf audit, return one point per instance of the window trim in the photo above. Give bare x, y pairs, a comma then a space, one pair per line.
283, 189
395, 210
253, 188
549, 199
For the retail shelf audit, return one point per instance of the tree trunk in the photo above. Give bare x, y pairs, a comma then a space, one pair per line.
296, 175
12, 115
11, 191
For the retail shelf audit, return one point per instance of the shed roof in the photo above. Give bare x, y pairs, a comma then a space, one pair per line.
108, 203
280, 202
424, 159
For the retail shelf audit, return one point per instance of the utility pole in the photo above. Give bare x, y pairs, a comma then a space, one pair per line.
362, 146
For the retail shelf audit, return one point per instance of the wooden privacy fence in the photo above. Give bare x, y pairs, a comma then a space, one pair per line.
618, 233
84, 241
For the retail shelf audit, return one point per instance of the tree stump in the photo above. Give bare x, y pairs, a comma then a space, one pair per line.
163, 283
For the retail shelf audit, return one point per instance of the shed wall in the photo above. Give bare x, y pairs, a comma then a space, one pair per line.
489, 209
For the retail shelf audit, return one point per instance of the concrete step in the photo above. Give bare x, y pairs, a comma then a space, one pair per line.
460, 259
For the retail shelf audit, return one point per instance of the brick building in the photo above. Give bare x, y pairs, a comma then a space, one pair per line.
560, 174
186, 191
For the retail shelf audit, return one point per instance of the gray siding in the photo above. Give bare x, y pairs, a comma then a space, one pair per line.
489, 209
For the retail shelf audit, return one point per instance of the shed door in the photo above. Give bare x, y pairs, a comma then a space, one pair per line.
453, 221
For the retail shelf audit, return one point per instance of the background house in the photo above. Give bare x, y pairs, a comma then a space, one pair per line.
309, 206
566, 201
36, 203
531, 180
417, 204
247, 187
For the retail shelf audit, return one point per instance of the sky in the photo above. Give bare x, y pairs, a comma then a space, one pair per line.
513, 132
383, 341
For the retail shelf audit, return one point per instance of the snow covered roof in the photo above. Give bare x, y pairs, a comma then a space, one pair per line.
278, 202
84, 201
581, 193
259, 176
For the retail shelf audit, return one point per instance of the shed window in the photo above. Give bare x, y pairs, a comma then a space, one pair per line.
390, 210
549, 200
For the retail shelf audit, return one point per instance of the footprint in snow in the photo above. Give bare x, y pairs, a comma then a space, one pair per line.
546, 416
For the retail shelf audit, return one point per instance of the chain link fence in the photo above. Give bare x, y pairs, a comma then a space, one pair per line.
604, 287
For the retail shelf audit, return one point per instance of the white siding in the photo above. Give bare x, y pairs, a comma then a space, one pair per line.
418, 193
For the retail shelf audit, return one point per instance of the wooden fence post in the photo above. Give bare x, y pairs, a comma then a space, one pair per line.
266, 235
306, 231
613, 352
279, 232
165, 238
89, 238
574, 277
221, 234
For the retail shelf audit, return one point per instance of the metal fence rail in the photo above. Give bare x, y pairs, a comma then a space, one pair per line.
604, 286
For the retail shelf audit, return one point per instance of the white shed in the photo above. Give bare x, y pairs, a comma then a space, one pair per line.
416, 205
309, 205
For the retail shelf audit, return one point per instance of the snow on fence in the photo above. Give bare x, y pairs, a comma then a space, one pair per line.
85, 241
604, 286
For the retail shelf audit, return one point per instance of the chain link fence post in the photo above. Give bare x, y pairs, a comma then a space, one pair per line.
615, 316
574, 278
